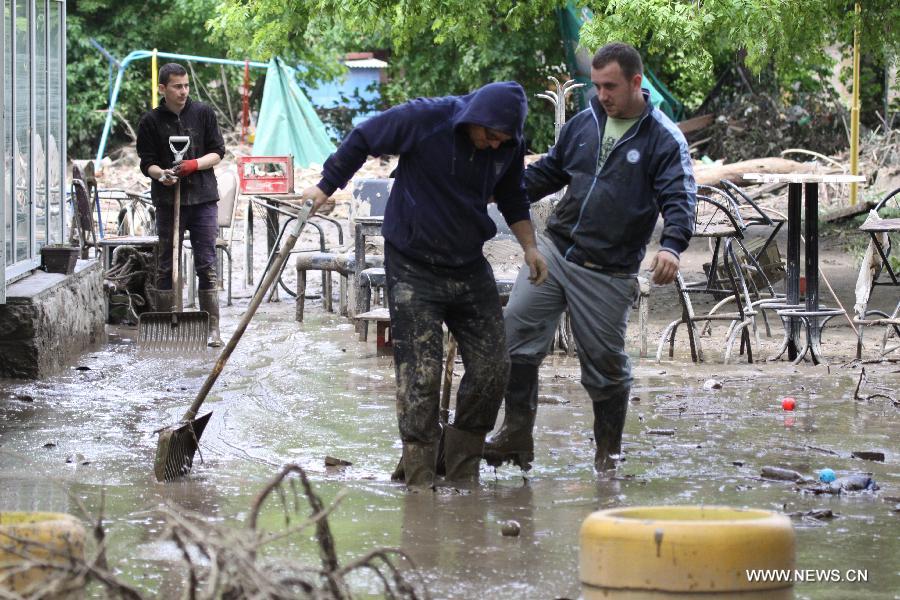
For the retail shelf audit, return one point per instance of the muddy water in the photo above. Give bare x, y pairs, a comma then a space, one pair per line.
293, 394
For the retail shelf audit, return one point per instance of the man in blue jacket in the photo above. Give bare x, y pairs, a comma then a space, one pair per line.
456, 153
624, 163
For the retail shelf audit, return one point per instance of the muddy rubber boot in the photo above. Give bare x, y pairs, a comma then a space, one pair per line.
609, 422
462, 455
417, 465
209, 301
161, 300
514, 441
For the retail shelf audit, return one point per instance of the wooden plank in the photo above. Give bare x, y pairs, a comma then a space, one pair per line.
695, 124
846, 212
881, 225
734, 172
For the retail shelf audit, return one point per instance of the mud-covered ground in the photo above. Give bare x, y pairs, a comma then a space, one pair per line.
296, 393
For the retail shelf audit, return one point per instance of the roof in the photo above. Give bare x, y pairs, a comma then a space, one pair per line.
366, 63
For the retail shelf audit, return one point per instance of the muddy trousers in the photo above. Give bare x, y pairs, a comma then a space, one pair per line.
598, 304
202, 221
421, 298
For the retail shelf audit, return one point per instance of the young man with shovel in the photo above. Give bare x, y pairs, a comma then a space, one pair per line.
178, 115
456, 153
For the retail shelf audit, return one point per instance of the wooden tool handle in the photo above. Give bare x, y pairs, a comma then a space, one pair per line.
271, 276
176, 248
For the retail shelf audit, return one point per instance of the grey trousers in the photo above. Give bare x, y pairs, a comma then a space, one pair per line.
598, 305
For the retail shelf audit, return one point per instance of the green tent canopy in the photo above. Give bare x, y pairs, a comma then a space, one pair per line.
288, 124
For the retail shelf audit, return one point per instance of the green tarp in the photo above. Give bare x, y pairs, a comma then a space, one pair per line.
287, 123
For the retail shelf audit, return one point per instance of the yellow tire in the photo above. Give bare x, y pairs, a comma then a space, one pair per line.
46, 538
684, 549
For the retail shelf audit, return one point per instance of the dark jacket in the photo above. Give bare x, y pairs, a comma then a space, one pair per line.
606, 218
437, 210
199, 122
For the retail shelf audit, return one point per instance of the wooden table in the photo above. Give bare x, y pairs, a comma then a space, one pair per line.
805, 187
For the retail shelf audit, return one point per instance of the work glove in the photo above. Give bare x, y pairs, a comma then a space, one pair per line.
186, 167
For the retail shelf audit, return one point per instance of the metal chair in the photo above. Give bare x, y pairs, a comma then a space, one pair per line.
227, 208
721, 223
878, 270
375, 192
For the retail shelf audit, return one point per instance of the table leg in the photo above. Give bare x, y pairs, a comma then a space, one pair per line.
793, 264
248, 245
272, 239
814, 328
359, 253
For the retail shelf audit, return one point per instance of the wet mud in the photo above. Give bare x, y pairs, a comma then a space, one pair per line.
296, 393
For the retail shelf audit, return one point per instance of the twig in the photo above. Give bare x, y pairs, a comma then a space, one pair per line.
208, 95
862, 374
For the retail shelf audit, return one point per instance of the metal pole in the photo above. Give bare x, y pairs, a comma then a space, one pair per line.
139, 54
13, 77
47, 239
854, 110
32, 83
3, 190
154, 81
62, 118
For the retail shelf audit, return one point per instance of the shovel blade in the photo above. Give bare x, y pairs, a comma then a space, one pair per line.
176, 447
173, 331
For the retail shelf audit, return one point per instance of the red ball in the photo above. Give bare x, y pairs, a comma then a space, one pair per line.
789, 404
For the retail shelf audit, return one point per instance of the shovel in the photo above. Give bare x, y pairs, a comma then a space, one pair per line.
177, 330
178, 443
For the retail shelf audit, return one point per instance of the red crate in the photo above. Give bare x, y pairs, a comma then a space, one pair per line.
266, 174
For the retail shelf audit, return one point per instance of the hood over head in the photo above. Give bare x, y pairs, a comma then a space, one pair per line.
501, 106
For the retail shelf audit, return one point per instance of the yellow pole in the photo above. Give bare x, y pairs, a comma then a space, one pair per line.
154, 73
854, 111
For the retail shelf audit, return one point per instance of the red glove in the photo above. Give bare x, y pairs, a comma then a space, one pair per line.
186, 167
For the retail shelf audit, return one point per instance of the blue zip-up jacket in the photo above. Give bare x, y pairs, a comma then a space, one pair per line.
606, 218
437, 210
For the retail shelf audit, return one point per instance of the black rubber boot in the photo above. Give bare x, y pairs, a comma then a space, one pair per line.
462, 455
417, 465
514, 441
609, 422
209, 301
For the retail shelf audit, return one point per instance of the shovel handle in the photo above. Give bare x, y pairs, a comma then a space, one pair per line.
176, 248
271, 276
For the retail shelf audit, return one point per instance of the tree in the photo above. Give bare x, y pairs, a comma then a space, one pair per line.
691, 37
176, 27
423, 61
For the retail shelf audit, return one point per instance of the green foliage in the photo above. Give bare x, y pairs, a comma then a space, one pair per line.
695, 39
437, 48
130, 25
452, 46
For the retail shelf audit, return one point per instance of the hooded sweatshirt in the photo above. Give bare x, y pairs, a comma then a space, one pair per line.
437, 210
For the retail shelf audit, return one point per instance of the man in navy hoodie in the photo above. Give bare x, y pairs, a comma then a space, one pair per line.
624, 163
456, 154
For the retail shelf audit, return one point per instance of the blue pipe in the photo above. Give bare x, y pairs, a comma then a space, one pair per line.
139, 54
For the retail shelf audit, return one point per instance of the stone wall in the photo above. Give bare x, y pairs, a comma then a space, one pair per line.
49, 319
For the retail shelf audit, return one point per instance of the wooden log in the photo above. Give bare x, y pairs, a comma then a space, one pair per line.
712, 174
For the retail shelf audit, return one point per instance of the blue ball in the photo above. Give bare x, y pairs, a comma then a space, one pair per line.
826, 476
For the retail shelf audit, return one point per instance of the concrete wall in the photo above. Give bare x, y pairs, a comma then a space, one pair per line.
49, 319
